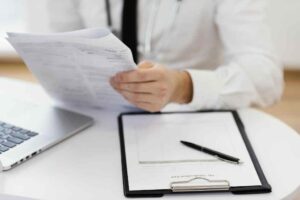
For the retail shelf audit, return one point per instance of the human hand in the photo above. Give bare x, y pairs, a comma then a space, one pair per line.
152, 86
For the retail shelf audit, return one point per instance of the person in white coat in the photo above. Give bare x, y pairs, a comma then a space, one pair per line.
207, 54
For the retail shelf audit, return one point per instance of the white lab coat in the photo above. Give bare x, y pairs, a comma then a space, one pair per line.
225, 45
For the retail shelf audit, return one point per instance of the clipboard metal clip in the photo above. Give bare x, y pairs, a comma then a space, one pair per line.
197, 184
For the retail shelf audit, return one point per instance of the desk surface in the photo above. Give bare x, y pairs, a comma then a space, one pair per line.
88, 165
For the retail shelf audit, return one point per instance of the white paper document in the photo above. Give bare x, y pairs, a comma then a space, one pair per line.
155, 157
75, 67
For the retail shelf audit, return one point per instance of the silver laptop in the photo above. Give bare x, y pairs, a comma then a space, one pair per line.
27, 129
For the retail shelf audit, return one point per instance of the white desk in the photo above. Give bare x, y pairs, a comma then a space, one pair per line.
88, 165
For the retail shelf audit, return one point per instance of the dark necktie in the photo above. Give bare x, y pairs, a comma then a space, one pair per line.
129, 26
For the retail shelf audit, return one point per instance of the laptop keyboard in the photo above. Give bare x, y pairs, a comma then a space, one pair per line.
11, 136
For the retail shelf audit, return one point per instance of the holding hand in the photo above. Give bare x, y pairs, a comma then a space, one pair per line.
152, 86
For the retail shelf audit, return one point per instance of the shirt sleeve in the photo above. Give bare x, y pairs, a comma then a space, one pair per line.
64, 15
251, 73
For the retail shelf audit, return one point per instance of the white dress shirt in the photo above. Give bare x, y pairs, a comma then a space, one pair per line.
225, 45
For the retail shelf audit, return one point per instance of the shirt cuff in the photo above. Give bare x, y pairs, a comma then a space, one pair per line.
206, 89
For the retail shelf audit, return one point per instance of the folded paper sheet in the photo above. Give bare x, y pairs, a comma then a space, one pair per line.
75, 67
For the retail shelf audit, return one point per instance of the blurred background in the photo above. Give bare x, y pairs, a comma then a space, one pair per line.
283, 17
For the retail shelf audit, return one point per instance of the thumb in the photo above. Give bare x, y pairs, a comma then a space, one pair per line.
145, 64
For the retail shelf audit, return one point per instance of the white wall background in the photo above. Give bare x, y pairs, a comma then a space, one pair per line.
284, 21
283, 17
11, 19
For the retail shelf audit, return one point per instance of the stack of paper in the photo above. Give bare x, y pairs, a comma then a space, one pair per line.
75, 67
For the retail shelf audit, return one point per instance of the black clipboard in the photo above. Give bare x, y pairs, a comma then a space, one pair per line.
265, 187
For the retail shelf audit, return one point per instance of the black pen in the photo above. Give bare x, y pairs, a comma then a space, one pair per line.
219, 155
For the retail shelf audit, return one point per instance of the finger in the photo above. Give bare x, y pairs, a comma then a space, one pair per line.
142, 65
140, 97
146, 87
113, 83
147, 106
145, 64
139, 75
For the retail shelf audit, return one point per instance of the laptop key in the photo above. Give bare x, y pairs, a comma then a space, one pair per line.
4, 136
23, 131
15, 140
7, 131
16, 128
31, 134
7, 125
3, 148
9, 144
20, 135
